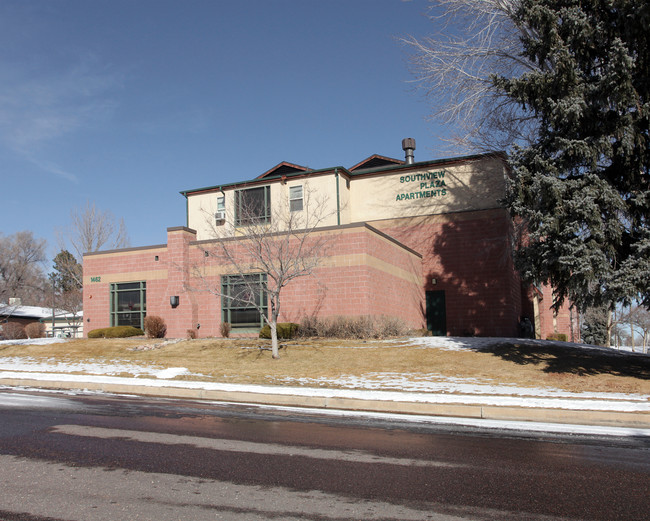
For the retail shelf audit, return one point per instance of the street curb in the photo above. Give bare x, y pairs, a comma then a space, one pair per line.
640, 420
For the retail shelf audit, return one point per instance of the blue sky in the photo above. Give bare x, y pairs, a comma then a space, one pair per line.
125, 103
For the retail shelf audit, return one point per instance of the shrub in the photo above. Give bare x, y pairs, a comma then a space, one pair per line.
35, 330
352, 327
13, 331
309, 326
115, 332
96, 333
559, 337
391, 326
155, 326
191, 334
284, 329
224, 329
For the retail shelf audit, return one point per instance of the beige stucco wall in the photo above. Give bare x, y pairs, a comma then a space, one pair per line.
201, 209
437, 189
319, 202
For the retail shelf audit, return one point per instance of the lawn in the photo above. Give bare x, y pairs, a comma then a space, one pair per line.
248, 361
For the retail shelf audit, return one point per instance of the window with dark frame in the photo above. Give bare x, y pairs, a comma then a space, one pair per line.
243, 300
253, 206
295, 198
128, 304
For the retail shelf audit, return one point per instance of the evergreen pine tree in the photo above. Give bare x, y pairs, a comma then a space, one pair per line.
67, 272
582, 191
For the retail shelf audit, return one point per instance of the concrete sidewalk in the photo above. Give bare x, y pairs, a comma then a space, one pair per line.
624, 413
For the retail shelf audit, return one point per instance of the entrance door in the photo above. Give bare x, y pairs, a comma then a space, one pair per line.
436, 313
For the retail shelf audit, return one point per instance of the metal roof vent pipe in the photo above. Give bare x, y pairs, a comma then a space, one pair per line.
408, 146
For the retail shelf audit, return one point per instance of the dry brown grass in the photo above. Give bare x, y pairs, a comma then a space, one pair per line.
243, 361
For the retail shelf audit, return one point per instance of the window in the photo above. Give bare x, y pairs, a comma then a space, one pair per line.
253, 206
242, 298
295, 198
128, 304
220, 214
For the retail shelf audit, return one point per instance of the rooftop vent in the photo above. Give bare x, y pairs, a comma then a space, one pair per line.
408, 146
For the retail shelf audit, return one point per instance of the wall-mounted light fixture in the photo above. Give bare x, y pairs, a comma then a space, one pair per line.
173, 301
434, 282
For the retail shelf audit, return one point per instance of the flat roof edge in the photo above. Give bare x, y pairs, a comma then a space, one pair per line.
319, 230
120, 250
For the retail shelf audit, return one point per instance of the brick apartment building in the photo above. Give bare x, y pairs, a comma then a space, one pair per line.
426, 242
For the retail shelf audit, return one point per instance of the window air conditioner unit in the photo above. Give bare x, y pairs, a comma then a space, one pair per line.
220, 216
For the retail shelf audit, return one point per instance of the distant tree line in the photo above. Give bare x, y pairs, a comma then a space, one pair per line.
24, 261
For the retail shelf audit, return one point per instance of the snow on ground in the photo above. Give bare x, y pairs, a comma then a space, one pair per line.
475, 343
32, 342
459, 344
432, 388
397, 387
110, 368
437, 383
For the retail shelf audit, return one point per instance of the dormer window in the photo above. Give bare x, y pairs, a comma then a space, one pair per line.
295, 198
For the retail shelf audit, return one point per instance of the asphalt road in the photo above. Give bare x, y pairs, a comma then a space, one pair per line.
67, 457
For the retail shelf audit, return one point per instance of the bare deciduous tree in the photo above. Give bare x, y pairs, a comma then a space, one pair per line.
642, 324
21, 273
279, 244
90, 230
636, 320
473, 41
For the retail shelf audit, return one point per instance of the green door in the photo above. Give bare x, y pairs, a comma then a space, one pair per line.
436, 313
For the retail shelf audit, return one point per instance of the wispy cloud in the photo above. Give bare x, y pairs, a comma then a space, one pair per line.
191, 121
38, 109
52, 168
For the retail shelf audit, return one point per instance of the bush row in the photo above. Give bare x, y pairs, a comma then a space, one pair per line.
115, 332
333, 327
340, 327
15, 331
352, 327
284, 329
154, 327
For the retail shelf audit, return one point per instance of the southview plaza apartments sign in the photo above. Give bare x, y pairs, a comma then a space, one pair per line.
423, 185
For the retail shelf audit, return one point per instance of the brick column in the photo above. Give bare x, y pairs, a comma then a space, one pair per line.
185, 315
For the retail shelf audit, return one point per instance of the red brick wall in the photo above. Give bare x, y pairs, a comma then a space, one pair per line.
128, 265
468, 255
186, 315
550, 322
363, 273
382, 283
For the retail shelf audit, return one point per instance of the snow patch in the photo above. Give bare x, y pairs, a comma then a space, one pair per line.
33, 341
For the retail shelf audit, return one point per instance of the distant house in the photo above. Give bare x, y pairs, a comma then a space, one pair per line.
15, 313
65, 324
